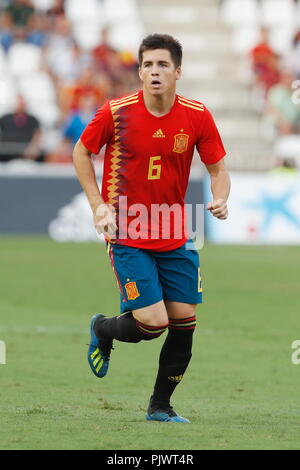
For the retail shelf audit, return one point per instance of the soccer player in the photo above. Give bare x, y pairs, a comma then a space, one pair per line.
150, 137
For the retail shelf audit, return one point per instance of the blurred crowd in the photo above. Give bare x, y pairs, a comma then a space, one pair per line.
54, 74
265, 34
276, 92
51, 86
275, 83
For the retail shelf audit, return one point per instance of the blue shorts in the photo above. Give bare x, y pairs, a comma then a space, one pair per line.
145, 277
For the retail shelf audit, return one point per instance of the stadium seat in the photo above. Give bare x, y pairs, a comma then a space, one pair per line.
51, 138
126, 35
177, 14
86, 34
37, 88
235, 13
3, 63
39, 94
201, 43
281, 38
24, 59
83, 11
120, 12
204, 70
43, 5
47, 114
297, 14
278, 12
244, 38
87, 20
8, 94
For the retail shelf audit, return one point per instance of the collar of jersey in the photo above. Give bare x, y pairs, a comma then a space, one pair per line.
165, 116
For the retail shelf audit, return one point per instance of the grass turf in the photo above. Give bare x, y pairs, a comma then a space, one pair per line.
241, 390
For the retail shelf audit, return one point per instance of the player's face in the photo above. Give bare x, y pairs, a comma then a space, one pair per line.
158, 72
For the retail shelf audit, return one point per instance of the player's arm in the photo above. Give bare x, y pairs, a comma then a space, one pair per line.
86, 174
220, 188
104, 219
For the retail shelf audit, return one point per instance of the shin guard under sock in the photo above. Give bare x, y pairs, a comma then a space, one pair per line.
125, 328
174, 359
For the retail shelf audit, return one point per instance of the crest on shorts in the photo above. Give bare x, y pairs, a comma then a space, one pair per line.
180, 143
131, 290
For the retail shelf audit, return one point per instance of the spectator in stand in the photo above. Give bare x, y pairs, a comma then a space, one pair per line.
57, 8
20, 135
37, 30
119, 66
265, 62
89, 82
19, 34
130, 67
82, 79
5, 3
59, 47
20, 12
79, 119
281, 109
73, 128
107, 59
103, 52
6, 30
67, 68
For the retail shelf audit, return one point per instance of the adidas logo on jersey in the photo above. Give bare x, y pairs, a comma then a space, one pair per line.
159, 133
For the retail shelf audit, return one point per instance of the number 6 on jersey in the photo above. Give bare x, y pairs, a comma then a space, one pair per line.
154, 170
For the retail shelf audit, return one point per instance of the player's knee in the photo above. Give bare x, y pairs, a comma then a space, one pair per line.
153, 315
180, 311
152, 321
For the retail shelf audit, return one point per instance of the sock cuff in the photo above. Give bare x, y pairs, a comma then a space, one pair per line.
151, 331
188, 323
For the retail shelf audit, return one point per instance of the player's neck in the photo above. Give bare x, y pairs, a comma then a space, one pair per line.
159, 105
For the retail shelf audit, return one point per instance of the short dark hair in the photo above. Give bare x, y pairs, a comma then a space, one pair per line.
162, 41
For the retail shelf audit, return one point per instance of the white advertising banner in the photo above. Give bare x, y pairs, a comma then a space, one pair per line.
263, 209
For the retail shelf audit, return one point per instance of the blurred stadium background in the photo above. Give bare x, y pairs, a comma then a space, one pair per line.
59, 61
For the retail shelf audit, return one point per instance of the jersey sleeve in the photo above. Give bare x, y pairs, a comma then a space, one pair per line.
209, 145
99, 131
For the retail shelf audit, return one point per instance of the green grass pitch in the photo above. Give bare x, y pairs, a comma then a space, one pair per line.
241, 390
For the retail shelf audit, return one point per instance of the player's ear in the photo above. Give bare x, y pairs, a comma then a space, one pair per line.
178, 72
140, 72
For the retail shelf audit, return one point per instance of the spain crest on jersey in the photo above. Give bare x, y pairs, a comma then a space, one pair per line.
180, 143
132, 290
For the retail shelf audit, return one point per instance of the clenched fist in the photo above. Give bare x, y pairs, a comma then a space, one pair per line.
218, 208
105, 220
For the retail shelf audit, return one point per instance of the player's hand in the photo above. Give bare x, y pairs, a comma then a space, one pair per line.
218, 208
105, 220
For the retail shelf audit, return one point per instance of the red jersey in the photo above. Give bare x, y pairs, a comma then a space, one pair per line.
147, 164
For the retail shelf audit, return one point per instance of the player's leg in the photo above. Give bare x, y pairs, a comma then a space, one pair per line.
131, 327
174, 359
179, 273
140, 297
176, 351
141, 293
